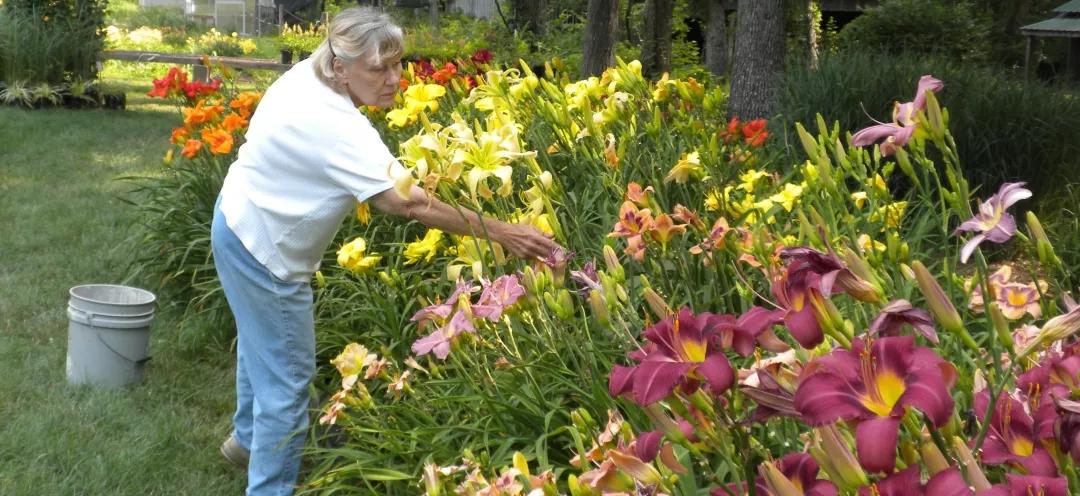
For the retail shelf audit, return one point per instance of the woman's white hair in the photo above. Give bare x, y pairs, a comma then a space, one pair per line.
357, 32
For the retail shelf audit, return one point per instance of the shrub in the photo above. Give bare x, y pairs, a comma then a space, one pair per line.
1007, 128
217, 43
50, 41
950, 29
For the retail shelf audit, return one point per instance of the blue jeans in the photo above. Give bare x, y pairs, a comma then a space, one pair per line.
275, 362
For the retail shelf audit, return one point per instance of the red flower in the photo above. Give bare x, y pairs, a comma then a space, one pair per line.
481, 56
444, 75
754, 132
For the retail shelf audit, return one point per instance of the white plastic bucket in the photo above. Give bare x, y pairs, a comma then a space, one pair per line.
108, 334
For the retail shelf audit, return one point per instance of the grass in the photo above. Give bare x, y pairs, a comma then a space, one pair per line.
64, 225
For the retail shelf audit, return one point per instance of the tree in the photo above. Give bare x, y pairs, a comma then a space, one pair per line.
599, 46
656, 37
716, 45
759, 58
529, 15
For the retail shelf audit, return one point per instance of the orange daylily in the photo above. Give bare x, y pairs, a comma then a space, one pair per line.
219, 140
244, 103
234, 122
664, 228
179, 134
191, 148
199, 114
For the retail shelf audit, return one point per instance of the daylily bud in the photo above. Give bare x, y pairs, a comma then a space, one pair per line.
808, 142
908, 454
431, 480
320, 280
832, 453
1042, 243
933, 115
778, 484
940, 306
611, 260
577, 489
521, 464
599, 308
904, 161
933, 459
905, 270
385, 278
971, 467
665, 424
865, 287
640, 471
657, 304
1054, 330
1001, 326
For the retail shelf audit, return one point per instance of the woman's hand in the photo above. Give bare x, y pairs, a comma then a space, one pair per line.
521, 240
525, 241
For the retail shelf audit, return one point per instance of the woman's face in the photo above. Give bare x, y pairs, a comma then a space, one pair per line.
371, 82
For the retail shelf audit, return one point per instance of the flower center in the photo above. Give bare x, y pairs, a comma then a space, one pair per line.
883, 387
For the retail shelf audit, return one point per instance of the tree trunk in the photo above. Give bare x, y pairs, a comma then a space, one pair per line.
813, 25
656, 37
599, 46
716, 44
529, 15
759, 58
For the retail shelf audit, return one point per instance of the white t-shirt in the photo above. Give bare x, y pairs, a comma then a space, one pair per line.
309, 156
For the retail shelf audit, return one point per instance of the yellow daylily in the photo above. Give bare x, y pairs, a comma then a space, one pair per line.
859, 197
688, 166
749, 179
425, 248
352, 360
352, 256
788, 196
363, 213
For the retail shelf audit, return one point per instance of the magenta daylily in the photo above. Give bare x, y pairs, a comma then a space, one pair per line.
1067, 427
1056, 378
799, 468
873, 384
794, 292
992, 222
497, 296
908, 482
1011, 438
772, 398
898, 132
681, 351
1029, 485
831, 271
439, 341
897, 313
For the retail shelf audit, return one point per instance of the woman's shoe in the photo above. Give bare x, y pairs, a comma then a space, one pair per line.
233, 451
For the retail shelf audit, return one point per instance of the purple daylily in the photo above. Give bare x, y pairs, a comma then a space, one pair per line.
587, 277
992, 222
899, 312
873, 384
799, 469
1028, 485
898, 132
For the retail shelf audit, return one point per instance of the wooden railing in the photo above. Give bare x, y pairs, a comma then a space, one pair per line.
200, 69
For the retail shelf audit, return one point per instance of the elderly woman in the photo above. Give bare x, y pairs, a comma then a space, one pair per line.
309, 156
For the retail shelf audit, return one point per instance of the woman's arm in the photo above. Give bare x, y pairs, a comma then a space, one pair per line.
522, 240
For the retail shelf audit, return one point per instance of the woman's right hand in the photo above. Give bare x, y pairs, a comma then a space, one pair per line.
525, 241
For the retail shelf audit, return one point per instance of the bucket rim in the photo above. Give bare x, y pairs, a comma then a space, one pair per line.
148, 297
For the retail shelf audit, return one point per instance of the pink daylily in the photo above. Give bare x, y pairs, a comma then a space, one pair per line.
444, 309
497, 297
633, 224
898, 132
873, 384
681, 351
992, 222
438, 342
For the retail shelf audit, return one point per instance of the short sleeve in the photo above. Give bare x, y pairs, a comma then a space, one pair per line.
360, 162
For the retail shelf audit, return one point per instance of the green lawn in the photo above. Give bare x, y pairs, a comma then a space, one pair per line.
61, 224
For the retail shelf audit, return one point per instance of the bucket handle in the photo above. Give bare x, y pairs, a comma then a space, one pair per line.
140, 361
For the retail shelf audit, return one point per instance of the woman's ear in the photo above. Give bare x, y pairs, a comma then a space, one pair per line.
339, 68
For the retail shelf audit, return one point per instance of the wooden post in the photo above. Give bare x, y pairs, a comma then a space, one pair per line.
200, 72
434, 15
1027, 59
1074, 59
280, 18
